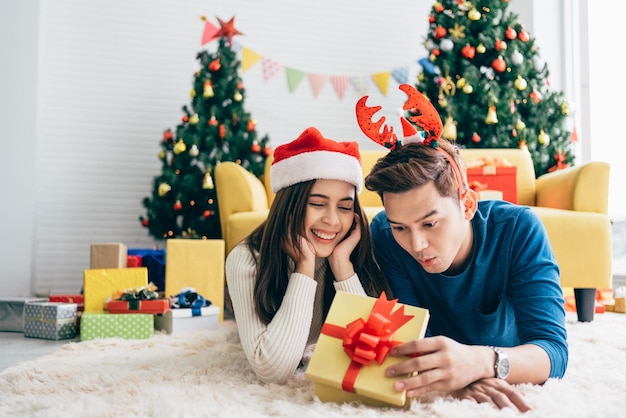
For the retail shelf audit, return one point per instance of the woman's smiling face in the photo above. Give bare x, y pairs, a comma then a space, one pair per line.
329, 214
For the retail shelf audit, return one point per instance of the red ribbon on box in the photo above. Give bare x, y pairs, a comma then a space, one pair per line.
364, 341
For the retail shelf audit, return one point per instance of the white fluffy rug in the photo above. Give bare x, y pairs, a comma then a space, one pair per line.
206, 375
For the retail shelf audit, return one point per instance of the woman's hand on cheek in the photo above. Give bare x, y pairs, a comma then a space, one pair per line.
339, 260
304, 258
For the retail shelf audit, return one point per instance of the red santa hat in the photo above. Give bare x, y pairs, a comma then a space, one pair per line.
312, 157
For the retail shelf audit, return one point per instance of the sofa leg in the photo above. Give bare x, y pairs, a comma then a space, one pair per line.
585, 303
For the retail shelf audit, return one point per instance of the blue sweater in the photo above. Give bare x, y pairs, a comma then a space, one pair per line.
508, 295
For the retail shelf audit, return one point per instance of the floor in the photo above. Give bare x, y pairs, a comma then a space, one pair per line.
15, 348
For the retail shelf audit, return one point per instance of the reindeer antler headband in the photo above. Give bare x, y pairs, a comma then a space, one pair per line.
426, 117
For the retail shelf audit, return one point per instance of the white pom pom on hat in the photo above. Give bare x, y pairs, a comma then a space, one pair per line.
312, 157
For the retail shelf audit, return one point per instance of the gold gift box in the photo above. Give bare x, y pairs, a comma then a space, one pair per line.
330, 362
101, 284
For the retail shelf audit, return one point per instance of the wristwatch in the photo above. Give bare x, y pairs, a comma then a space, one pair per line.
502, 366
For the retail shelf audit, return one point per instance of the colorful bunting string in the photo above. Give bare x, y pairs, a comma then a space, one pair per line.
317, 82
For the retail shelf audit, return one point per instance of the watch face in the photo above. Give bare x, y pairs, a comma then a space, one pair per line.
503, 368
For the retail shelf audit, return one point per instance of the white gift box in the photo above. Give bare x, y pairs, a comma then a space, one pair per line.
182, 321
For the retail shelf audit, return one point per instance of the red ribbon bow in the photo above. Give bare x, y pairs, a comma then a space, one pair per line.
364, 341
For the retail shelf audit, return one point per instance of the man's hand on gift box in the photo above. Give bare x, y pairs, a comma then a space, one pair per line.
440, 364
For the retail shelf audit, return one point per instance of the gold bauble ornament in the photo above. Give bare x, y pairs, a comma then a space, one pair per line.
237, 96
192, 93
461, 82
180, 147
194, 151
520, 125
481, 49
194, 119
468, 89
162, 155
473, 15
520, 83
164, 188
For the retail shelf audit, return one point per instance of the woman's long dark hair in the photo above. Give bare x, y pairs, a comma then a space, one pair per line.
286, 217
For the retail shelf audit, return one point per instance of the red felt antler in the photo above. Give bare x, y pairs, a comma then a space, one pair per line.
426, 118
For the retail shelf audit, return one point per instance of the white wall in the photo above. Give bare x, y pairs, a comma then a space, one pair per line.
19, 30
92, 85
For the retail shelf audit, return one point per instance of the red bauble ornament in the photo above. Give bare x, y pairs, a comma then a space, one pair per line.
510, 33
267, 151
255, 148
431, 19
439, 8
215, 65
522, 36
475, 138
436, 52
185, 118
144, 222
207, 213
167, 135
468, 52
251, 125
499, 64
440, 32
212, 121
222, 131
178, 205
500, 45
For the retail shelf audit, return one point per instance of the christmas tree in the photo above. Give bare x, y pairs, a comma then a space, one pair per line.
214, 127
486, 78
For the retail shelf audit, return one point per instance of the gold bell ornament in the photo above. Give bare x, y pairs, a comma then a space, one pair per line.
207, 182
492, 116
543, 138
449, 129
207, 90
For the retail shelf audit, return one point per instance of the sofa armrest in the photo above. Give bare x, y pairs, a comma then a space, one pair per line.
238, 190
582, 188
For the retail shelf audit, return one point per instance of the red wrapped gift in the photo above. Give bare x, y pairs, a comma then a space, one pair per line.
154, 306
79, 300
133, 261
491, 177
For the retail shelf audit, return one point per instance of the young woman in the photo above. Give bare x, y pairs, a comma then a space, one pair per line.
315, 241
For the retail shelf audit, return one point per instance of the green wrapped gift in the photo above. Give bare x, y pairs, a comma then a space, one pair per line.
105, 325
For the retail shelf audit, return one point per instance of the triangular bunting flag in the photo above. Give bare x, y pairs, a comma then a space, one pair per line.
574, 136
249, 58
317, 82
401, 74
340, 83
359, 84
382, 81
209, 32
294, 77
270, 68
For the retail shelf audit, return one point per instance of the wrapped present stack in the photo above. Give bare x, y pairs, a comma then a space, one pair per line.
99, 287
78, 299
351, 355
190, 312
493, 179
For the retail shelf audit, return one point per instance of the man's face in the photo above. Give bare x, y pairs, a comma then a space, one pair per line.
435, 230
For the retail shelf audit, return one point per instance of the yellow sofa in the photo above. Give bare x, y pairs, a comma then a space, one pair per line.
572, 203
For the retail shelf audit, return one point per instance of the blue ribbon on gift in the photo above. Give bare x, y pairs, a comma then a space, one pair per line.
191, 299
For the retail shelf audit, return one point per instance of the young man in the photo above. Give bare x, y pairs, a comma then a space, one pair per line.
485, 271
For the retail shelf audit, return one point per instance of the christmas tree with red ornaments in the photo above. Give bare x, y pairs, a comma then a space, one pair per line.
213, 128
485, 76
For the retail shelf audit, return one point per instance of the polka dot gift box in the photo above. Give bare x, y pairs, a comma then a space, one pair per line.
50, 320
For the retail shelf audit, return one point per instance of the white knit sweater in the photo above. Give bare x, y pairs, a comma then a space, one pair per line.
275, 350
